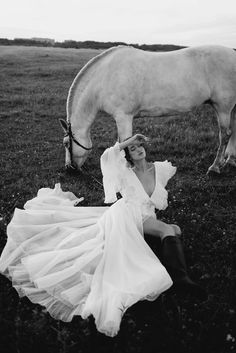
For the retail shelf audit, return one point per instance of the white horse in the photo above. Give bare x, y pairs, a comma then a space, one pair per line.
124, 81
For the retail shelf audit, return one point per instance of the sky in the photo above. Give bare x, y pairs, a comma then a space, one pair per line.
179, 22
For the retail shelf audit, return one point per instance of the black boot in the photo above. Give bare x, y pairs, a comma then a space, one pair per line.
174, 260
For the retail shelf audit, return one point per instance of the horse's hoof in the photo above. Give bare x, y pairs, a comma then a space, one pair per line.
213, 171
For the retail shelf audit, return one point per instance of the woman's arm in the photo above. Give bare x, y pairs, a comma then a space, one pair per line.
133, 140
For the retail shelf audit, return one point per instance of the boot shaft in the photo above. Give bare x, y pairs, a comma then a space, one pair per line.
173, 257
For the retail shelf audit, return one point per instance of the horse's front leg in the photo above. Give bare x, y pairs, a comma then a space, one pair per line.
230, 151
224, 134
124, 123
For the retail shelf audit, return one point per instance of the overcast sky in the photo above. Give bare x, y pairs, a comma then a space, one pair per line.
180, 22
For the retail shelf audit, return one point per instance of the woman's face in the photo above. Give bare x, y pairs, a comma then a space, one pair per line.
137, 152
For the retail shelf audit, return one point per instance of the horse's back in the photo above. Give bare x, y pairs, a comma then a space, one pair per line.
120, 57
128, 79
126, 61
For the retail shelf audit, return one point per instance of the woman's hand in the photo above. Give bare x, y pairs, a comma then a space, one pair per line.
140, 138
135, 139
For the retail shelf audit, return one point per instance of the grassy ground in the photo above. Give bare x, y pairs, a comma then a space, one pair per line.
33, 88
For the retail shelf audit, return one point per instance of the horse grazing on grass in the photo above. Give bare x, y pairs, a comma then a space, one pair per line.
124, 81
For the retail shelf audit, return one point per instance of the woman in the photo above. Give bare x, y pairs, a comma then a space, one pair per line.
94, 260
172, 251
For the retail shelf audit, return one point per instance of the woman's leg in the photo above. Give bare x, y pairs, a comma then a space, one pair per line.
156, 228
172, 257
174, 261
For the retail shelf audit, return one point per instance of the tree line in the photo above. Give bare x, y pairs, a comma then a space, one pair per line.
88, 44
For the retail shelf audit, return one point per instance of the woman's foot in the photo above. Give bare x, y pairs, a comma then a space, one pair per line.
186, 286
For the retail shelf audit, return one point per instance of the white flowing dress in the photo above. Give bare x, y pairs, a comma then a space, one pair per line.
89, 260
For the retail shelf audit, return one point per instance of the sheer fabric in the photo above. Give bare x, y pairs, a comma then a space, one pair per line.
88, 260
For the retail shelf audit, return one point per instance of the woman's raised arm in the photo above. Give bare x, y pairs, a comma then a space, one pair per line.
133, 140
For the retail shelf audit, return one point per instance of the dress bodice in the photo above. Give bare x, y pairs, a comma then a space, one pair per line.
119, 177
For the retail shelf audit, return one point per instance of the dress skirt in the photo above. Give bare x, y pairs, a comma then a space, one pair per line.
81, 260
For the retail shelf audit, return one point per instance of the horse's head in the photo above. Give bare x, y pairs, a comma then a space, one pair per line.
77, 149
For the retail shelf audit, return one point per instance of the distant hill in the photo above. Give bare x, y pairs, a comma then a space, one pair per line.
89, 44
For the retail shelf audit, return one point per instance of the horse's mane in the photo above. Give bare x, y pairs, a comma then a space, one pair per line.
83, 72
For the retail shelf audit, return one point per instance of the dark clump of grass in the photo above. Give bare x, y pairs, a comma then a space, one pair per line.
33, 89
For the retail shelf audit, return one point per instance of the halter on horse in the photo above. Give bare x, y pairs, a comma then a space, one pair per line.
68, 139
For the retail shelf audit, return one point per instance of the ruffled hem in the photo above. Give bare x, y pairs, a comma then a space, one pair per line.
81, 260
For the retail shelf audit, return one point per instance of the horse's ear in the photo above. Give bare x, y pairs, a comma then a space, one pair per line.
63, 125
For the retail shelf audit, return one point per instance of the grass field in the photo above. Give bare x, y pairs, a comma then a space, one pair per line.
34, 83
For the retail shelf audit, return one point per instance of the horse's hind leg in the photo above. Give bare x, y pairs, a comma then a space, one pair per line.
230, 151
224, 134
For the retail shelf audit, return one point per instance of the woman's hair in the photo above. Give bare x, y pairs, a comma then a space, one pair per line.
128, 157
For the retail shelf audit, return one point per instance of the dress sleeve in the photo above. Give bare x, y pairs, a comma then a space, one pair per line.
165, 171
113, 165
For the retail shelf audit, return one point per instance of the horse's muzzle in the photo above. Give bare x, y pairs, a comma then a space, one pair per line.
70, 168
